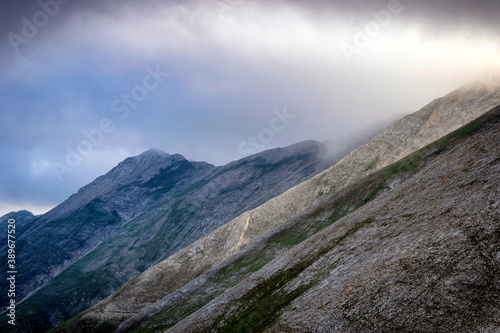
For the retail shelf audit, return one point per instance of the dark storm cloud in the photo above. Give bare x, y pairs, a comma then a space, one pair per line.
437, 12
227, 73
440, 16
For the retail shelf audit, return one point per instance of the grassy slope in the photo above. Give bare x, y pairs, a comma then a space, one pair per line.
265, 300
89, 272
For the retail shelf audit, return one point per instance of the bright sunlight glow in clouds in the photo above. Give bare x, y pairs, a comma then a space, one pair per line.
230, 64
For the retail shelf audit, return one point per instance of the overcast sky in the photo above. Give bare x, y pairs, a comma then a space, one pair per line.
110, 79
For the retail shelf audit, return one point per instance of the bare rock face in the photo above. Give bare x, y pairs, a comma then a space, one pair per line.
423, 256
401, 139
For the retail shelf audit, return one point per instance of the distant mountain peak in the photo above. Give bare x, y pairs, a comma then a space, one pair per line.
151, 157
154, 152
24, 213
133, 170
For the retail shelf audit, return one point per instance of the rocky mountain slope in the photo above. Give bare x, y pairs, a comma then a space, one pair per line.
147, 208
91, 216
399, 140
414, 247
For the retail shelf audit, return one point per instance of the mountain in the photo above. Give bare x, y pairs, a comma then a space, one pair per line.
421, 256
403, 138
141, 212
22, 217
92, 215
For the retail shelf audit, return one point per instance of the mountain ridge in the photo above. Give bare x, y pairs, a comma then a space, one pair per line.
96, 206
169, 209
439, 117
420, 257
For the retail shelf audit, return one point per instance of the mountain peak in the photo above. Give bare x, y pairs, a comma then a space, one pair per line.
136, 169
153, 156
23, 213
154, 152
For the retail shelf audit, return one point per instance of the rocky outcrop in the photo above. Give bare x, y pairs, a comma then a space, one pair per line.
421, 257
399, 140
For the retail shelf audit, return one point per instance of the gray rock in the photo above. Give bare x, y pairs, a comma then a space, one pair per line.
421, 257
399, 140
144, 210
